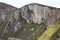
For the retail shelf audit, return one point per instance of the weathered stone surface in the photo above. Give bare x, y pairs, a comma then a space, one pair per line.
27, 22
38, 14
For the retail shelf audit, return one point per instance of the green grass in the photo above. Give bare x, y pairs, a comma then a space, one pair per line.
38, 31
50, 31
28, 25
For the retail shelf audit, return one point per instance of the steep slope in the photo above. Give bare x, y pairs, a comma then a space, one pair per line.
26, 23
5, 13
50, 31
39, 13
5, 9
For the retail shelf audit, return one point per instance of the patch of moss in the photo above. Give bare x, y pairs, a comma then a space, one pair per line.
28, 25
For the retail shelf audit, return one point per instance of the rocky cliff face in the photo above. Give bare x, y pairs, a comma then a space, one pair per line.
5, 9
5, 18
37, 13
26, 23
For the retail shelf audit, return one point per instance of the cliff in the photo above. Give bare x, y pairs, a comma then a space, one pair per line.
38, 13
26, 23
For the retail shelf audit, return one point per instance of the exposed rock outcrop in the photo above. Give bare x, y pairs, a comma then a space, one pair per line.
27, 21
37, 13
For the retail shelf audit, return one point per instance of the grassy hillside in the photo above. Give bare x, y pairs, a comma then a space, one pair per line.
50, 31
